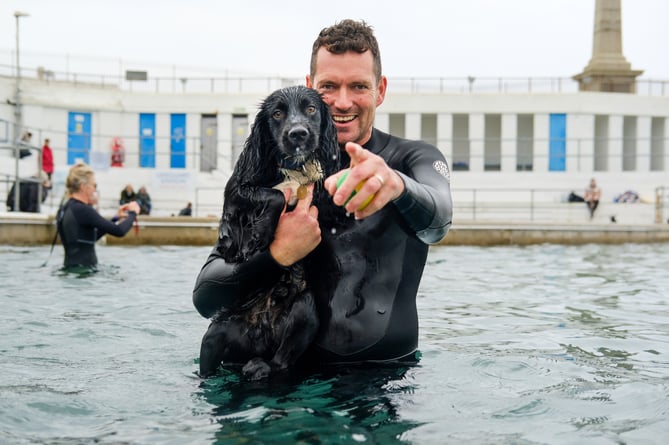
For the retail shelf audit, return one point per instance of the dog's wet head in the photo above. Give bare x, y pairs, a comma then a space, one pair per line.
295, 121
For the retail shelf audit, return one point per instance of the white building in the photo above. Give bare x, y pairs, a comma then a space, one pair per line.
503, 142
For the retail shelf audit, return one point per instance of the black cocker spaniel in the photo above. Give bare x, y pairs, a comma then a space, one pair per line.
293, 143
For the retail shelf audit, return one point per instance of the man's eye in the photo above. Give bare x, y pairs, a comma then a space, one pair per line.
278, 114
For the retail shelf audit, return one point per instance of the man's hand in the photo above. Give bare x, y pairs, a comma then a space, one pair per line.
297, 232
379, 180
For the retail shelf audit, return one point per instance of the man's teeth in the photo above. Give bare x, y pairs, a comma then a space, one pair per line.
343, 118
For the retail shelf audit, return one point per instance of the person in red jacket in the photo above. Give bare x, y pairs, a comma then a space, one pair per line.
47, 159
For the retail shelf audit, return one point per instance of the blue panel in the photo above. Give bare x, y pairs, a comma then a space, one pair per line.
78, 137
178, 141
147, 140
557, 145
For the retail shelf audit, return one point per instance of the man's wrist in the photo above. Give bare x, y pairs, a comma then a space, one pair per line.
401, 186
280, 259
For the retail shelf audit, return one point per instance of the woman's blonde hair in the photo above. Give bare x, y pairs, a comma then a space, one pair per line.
79, 175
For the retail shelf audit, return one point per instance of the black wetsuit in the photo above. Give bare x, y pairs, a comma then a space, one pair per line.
365, 274
80, 226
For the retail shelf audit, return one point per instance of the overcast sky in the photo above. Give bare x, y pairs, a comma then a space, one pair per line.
446, 38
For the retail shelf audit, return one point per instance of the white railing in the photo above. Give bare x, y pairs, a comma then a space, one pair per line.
254, 84
545, 205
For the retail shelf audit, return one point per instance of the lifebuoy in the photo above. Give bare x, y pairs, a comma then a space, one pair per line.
117, 152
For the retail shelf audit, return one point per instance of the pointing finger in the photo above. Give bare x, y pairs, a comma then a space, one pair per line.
355, 152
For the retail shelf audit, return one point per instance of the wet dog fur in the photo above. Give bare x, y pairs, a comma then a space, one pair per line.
292, 142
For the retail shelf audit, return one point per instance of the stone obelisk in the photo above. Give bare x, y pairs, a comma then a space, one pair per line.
608, 70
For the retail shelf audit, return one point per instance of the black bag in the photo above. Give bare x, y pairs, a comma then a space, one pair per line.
28, 198
23, 153
573, 197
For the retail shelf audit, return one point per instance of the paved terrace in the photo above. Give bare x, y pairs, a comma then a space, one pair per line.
482, 217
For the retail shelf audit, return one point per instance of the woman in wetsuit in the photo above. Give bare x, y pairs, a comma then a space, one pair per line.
80, 225
364, 268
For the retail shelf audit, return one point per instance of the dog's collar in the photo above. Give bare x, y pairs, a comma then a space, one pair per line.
290, 164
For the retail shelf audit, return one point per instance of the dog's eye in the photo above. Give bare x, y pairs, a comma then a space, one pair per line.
278, 114
311, 109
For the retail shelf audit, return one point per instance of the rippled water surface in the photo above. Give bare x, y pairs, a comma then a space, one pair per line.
521, 345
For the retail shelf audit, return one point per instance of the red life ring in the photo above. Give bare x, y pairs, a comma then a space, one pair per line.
118, 152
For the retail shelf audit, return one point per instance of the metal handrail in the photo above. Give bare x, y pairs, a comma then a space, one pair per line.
16, 183
235, 84
528, 202
16, 147
475, 202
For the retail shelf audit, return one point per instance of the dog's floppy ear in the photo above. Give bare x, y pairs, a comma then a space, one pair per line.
328, 140
256, 161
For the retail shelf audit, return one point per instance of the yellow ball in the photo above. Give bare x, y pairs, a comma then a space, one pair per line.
341, 180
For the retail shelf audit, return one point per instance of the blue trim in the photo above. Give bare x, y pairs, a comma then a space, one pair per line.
178, 140
147, 140
78, 137
557, 145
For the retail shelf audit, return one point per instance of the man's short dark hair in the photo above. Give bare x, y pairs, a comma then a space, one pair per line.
347, 35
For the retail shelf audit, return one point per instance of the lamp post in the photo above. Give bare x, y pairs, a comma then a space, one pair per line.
18, 117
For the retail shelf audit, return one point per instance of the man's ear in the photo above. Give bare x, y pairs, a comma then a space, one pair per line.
381, 88
308, 81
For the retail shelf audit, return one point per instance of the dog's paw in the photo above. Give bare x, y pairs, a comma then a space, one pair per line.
256, 369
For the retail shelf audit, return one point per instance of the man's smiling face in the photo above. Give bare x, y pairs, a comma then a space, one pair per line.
348, 85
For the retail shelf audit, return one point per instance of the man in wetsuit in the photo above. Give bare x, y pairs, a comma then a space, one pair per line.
80, 225
365, 269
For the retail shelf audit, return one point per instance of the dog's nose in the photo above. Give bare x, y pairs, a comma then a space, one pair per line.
298, 133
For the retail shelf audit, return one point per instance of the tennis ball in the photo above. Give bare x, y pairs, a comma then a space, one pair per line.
342, 179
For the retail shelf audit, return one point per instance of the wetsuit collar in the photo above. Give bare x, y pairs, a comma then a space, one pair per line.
377, 141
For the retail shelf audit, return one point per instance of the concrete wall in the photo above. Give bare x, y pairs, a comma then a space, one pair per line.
24, 229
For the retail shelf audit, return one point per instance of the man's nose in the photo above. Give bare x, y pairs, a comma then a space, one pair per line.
342, 99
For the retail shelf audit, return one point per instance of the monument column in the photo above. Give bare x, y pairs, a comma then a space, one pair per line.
608, 70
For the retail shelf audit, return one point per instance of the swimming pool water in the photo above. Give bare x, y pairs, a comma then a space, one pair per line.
526, 345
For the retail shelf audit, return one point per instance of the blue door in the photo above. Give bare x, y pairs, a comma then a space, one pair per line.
557, 145
178, 141
147, 140
78, 137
